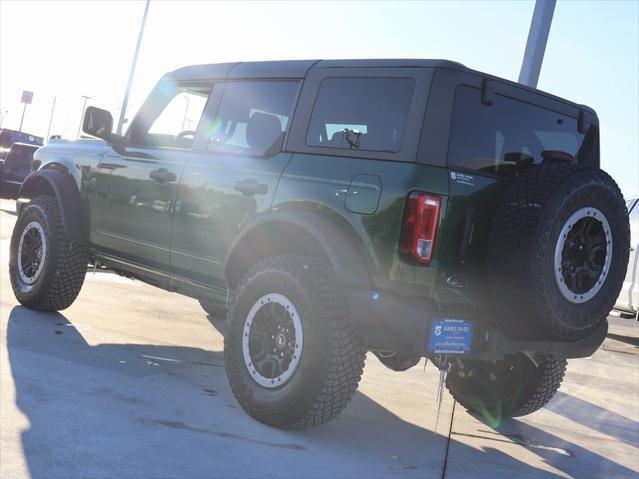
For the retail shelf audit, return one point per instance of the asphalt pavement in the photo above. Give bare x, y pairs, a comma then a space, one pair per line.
129, 382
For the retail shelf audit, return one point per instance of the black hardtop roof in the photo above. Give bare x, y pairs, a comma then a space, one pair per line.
299, 68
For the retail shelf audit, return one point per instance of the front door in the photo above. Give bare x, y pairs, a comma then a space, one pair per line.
234, 176
134, 191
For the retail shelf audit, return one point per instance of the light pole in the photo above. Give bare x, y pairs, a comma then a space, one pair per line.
133, 64
51, 118
84, 105
24, 109
536, 43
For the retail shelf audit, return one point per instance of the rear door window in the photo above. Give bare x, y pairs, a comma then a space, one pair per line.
503, 137
361, 113
253, 117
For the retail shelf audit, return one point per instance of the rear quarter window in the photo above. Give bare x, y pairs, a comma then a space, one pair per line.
367, 114
502, 137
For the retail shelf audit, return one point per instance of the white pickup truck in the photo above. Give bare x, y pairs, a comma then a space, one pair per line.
628, 301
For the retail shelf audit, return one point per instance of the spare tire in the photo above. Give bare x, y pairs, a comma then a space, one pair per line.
558, 252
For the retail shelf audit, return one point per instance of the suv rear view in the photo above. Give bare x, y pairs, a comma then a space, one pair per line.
411, 208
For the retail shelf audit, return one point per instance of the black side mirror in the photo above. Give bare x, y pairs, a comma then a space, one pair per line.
99, 123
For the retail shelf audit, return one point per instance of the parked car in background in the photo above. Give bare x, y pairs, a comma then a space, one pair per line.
17, 164
628, 301
9, 137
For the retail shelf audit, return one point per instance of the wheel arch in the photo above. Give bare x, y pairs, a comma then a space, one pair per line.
298, 232
58, 183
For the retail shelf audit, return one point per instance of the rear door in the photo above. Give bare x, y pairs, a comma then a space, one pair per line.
232, 177
355, 136
133, 194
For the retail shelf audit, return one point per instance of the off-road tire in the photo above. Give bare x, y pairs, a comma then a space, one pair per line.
332, 355
65, 262
213, 309
527, 389
525, 296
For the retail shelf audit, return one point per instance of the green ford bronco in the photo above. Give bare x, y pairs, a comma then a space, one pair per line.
412, 208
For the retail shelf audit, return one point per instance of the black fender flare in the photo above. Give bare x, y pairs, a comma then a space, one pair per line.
346, 256
66, 192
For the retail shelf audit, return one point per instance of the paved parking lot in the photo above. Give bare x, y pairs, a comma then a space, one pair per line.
129, 382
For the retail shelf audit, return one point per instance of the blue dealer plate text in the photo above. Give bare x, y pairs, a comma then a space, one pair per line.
450, 336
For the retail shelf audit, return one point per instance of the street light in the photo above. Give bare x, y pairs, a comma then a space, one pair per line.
51, 118
536, 43
84, 105
133, 64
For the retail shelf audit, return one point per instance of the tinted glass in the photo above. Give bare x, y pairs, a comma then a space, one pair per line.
361, 113
507, 135
252, 117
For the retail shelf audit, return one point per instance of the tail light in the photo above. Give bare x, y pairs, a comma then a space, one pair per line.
420, 226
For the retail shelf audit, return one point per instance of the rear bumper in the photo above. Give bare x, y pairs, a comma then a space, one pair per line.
388, 322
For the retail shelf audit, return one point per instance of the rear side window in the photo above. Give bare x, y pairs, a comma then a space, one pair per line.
361, 113
252, 117
502, 137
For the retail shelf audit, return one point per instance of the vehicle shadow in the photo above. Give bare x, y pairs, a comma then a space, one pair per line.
562, 455
607, 422
10, 212
147, 410
632, 340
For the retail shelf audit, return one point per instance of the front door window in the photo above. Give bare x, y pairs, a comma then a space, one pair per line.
171, 117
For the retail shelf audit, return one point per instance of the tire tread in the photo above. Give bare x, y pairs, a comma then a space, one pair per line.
518, 239
69, 264
347, 353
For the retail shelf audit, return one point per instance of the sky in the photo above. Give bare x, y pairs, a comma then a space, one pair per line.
67, 49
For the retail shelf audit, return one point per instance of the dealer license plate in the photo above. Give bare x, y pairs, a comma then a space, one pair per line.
450, 336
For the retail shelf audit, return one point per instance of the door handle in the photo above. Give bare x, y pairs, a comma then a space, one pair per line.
250, 187
162, 175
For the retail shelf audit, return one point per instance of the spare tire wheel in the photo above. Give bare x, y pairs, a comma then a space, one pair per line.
557, 254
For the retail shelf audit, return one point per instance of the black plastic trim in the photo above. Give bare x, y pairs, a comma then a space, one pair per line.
487, 92
345, 256
68, 196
